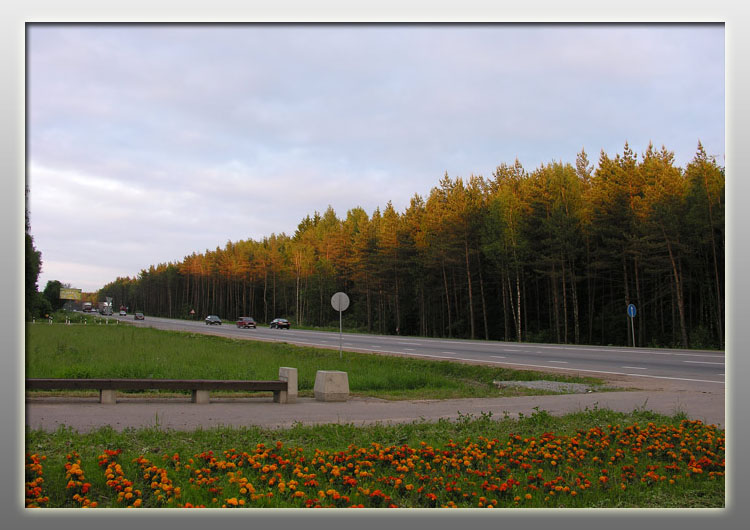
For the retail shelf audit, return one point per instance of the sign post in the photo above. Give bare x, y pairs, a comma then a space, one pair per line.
340, 303
631, 314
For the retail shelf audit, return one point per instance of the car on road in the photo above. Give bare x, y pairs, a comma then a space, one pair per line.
213, 320
246, 322
280, 323
123, 313
139, 316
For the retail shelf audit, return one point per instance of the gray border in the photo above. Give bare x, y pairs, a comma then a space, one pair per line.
12, 159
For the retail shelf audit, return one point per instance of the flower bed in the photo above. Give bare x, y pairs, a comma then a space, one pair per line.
594, 467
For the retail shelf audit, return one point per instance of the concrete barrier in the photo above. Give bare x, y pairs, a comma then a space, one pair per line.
108, 396
290, 376
331, 385
201, 397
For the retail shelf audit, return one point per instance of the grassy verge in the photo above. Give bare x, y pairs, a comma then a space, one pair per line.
124, 351
595, 458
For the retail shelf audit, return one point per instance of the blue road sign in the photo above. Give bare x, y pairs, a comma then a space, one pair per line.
631, 310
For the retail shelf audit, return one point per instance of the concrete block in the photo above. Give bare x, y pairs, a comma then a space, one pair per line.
331, 385
290, 376
108, 397
200, 396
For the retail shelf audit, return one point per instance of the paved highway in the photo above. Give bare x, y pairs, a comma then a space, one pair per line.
688, 367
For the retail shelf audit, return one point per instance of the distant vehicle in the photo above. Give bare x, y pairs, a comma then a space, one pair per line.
123, 313
280, 323
105, 308
213, 320
246, 322
88, 307
139, 316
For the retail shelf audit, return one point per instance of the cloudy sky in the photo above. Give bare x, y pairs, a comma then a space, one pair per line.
146, 143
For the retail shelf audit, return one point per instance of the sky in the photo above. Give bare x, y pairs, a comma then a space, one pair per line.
146, 143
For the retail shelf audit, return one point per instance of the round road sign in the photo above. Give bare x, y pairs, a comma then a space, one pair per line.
631, 311
340, 301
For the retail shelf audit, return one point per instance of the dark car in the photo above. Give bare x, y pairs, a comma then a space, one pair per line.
246, 322
212, 320
139, 316
279, 323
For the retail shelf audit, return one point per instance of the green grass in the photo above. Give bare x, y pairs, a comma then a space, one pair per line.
125, 351
335, 443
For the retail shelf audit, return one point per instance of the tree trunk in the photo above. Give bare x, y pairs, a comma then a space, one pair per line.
484, 304
591, 294
555, 303
641, 309
627, 295
513, 308
518, 306
265, 289
468, 282
398, 311
678, 292
447, 301
504, 296
565, 301
574, 292
369, 303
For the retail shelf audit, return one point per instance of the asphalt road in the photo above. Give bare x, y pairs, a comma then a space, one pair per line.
684, 368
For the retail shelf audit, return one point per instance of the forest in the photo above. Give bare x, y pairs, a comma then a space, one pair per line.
552, 255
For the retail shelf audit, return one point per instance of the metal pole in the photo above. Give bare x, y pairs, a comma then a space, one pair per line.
632, 327
340, 335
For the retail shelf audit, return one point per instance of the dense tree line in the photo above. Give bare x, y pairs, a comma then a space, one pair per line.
555, 255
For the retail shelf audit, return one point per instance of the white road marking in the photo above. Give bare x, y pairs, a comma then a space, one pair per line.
634, 368
701, 362
696, 355
559, 362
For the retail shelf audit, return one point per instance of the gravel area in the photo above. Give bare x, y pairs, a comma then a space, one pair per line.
553, 386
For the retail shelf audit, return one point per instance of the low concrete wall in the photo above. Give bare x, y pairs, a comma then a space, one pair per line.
331, 385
